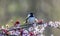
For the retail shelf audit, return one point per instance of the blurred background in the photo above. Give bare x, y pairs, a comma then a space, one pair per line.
18, 9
